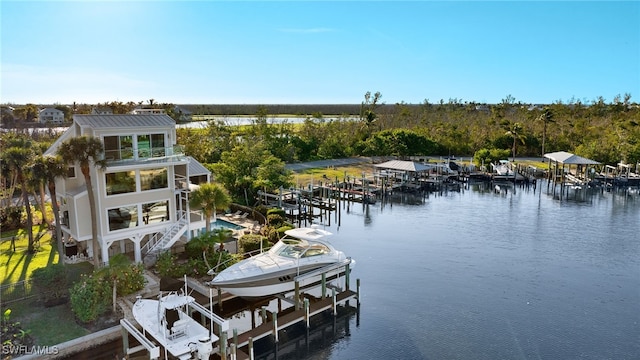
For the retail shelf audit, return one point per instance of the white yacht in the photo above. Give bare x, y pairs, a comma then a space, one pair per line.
302, 255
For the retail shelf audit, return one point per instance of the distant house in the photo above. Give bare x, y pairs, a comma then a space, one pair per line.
141, 111
51, 116
142, 194
101, 110
6, 109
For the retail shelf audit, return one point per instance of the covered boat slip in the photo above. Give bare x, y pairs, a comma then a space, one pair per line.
570, 169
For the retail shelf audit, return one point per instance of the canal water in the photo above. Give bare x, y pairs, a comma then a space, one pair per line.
480, 274
477, 274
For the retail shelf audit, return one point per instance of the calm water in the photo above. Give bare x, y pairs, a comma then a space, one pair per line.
479, 275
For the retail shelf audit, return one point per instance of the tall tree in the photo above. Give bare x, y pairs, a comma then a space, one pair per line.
515, 131
368, 113
37, 181
85, 151
53, 168
272, 174
209, 197
17, 156
546, 117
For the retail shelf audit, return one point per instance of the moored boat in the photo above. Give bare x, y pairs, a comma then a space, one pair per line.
168, 322
303, 255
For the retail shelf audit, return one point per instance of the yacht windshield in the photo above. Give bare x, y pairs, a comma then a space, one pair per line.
291, 248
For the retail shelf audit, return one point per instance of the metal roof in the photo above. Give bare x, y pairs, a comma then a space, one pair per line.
403, 166
123, 121
564, 157
196, 169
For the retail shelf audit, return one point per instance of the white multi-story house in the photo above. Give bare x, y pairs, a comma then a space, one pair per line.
51, 115
142, 196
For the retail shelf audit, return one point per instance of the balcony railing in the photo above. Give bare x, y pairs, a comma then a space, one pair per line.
130, 154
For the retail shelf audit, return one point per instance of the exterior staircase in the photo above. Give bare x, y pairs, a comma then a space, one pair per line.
163, 240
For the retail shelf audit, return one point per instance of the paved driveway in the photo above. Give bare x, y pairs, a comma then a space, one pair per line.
327, 163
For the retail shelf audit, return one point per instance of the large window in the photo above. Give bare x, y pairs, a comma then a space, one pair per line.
118, 147
155, 212
145, 145
121, 182
123, 217
153, 179
157, 145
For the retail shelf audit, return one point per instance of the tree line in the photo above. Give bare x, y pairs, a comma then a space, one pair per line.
248, 158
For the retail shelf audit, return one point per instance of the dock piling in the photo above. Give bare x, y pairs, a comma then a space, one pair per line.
275, 326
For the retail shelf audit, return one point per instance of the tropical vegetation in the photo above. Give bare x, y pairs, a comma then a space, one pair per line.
247, 159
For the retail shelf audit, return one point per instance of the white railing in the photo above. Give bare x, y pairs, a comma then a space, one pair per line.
161, 239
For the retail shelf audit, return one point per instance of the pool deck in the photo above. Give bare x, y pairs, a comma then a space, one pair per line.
250, 226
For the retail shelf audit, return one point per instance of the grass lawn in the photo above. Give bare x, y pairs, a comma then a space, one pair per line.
19, 264
48, 326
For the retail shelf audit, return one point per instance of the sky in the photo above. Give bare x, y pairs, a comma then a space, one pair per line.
318, 52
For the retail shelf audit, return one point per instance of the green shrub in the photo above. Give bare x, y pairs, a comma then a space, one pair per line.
166, 265
90, 298
130, 279
251, 242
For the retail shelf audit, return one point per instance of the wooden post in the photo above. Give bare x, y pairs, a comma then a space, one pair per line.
275, 326
346, 277
324, 285
233, 352
335, 304
250, 349
306, 312
125, 340
223, 345
220, 298
263, 314
358, 290
296, 296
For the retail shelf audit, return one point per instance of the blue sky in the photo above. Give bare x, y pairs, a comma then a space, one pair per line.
318, 52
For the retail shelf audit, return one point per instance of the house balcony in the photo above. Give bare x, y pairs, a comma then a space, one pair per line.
158, 155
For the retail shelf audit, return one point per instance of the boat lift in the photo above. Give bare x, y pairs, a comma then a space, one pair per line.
128, 328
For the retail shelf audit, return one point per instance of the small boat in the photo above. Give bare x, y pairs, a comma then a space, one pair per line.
168, 322
302, 254
503, 168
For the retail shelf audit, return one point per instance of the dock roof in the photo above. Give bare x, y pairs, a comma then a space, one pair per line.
403, 166
564, 157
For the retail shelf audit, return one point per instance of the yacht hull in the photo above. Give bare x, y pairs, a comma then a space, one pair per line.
277, 282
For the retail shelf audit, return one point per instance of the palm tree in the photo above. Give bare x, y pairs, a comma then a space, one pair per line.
546, 117
86, 150
17, 155
368, 115
52, 168
37, 181
515, 130
209, 197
